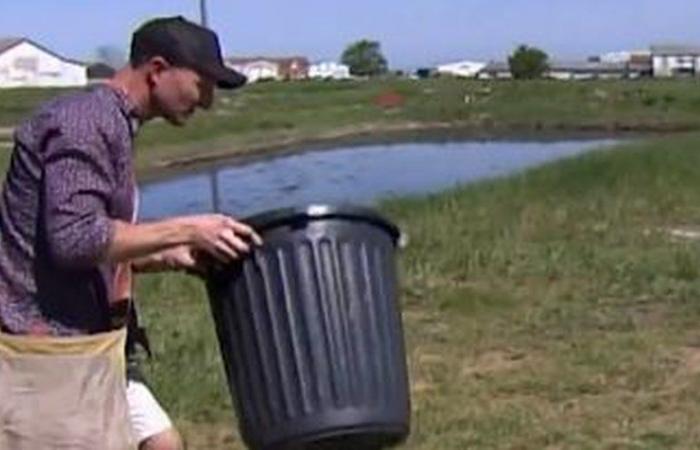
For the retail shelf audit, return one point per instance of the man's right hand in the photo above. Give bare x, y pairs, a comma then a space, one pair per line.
220, 236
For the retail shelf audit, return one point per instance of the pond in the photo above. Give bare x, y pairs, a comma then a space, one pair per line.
360, 175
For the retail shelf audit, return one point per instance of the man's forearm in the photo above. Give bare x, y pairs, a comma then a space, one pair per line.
136, 241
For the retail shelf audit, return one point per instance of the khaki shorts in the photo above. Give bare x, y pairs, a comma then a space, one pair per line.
64, 393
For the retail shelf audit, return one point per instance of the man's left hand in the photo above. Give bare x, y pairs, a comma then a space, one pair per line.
177, 258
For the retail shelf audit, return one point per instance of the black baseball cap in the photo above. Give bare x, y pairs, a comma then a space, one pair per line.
184, 44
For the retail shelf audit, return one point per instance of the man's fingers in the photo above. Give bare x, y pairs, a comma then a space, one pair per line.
245, 230
188, 261
220, 252
226, 238
235, 242
225, 252
239, 244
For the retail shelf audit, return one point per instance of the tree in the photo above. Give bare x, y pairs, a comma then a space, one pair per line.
365, 58
528, 62
110, 55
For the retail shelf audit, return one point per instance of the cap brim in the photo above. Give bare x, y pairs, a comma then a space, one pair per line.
226, 78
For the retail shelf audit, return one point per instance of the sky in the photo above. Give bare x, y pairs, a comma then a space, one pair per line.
413, 33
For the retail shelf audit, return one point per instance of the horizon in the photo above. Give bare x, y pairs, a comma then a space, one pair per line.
448, 31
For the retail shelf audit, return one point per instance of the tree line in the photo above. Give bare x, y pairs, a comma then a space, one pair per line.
366, 59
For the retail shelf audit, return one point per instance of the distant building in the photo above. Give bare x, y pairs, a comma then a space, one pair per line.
587, 70
614, 57
638, 62
255, 69
24, 63
267, 68
495, 70
99, 72
329, 70
294, 68
462, 69
675, 60
640, 65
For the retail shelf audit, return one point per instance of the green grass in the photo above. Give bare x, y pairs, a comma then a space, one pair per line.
269, 115
17, 104
547, 310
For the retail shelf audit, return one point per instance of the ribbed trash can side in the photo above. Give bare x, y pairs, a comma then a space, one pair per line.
312, 340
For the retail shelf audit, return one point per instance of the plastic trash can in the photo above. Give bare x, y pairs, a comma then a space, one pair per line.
310, 332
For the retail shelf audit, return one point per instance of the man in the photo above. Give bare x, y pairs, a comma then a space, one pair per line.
69, 242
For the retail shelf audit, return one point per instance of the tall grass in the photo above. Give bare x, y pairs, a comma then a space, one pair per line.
268, 115
553, 309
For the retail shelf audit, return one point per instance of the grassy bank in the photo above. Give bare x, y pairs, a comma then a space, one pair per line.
279, 115
550, 310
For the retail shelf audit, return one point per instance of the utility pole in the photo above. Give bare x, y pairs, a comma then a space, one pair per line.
213, 174
203, 13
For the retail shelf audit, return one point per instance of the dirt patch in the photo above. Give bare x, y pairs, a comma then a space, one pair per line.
690, 362
389, 100
426, 371
216, 436
492, 362
687, 370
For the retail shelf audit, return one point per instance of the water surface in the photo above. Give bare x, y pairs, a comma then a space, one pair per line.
354, 174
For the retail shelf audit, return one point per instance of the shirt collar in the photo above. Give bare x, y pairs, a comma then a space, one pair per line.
127, 107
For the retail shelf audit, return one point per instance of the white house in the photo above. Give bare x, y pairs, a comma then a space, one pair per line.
329, 70
675, 60
24, 63
256, 68
463, 69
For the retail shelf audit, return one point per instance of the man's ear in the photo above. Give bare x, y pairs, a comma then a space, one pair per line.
156, 66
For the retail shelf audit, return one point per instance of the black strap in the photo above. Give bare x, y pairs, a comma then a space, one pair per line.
136, 335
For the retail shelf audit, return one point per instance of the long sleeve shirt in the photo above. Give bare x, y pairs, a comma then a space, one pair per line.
70, 175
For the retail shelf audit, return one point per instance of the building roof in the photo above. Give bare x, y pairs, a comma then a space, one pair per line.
248, 60
6, 43
276, 60
675, 50
462, 63
496, 66
640, 58
587, 66
241, 62
328, 62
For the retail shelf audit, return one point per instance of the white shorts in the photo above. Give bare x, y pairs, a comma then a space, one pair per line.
147, 416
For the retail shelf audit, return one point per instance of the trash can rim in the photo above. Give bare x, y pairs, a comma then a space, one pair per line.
276, 217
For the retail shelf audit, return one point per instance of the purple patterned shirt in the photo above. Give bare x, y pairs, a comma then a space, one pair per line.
71, 173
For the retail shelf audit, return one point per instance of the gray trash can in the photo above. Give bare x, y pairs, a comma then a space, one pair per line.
310, 332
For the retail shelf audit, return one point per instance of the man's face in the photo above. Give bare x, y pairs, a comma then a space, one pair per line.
178, 91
